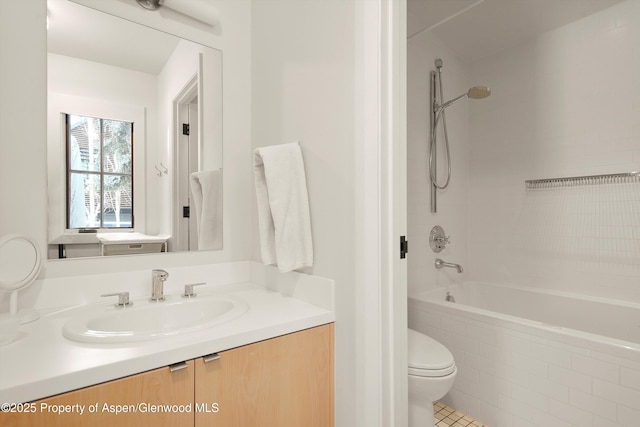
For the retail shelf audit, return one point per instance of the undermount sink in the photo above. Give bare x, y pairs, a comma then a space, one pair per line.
147, 320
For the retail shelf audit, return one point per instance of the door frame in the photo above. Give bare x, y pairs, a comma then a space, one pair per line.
381, 208
182, 108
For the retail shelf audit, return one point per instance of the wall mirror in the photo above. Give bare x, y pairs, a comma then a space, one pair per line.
134, 137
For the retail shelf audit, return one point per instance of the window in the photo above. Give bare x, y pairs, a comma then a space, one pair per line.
99, 173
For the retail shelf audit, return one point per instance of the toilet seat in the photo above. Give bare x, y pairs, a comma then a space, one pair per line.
432, 373
427, 357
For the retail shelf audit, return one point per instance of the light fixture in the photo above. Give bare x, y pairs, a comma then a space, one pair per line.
196, 9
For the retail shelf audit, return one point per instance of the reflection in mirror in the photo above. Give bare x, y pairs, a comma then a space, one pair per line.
134, 145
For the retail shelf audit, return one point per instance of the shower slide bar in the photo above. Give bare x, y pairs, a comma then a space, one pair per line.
614, 178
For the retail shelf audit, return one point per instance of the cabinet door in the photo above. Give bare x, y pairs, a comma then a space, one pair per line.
172, 392
284, 382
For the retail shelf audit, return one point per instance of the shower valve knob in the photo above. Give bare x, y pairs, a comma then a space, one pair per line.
442, 240
438, 240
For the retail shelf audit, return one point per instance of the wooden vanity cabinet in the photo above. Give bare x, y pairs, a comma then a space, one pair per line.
285, 382
141, 392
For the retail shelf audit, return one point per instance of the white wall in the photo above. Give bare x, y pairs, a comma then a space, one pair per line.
303, 90
563, 104
23, 156
423, 50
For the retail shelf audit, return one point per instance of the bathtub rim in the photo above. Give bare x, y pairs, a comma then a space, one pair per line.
589, 341
565, 294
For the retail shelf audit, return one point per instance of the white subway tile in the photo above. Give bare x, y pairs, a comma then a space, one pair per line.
604, 408
549, 388
512, 374
552, 355
524, 339
603, 422
480, 363
596, 368
568, 347
529, 364
616, 393
620, 356
531, 397
456, 327
570, 413
515, 407
630, 378
519, 422
481, 391
544, 419
464, 343
468, 373
572, 379
499, 355
628, 417
495, 384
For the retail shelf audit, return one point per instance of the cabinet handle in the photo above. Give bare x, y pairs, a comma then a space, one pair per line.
178, 366
211, 357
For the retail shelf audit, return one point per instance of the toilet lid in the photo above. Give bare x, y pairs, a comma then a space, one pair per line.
427, 357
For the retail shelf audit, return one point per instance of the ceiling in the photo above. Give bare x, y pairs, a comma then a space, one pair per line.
475, 29
78, 31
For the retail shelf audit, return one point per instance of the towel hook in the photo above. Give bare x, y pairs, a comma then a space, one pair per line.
165, 171
159, 173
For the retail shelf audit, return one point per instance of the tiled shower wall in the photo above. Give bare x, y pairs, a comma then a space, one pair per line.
564, 104
423, 50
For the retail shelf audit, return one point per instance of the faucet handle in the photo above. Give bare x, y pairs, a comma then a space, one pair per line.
160, 274
123, 299
188, 290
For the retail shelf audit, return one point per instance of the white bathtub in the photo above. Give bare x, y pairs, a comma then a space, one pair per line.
537, 358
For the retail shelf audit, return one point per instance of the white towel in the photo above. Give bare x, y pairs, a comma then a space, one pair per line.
283, 207
206, 190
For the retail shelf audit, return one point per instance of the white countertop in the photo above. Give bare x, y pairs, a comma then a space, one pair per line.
43, 363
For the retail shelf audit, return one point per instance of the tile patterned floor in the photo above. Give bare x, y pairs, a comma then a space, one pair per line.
446, 416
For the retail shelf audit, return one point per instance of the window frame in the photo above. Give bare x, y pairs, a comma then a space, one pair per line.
101, 173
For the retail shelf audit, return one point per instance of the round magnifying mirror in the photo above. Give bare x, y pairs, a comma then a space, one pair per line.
20, 263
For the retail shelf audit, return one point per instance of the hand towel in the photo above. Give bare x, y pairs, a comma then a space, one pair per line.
206, 190
283, 207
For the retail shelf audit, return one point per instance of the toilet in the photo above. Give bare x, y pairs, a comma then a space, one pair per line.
432, 371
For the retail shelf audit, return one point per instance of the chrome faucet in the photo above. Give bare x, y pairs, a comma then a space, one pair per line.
440, 263
158, 278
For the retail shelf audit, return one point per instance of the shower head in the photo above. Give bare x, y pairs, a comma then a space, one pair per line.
476, 92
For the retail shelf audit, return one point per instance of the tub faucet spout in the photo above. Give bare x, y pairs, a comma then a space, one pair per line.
158, 278
440, 263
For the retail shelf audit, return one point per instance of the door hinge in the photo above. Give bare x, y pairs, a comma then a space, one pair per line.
185, 212
404, 247
185, 128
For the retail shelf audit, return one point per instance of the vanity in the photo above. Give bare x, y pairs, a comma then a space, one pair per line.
270, 363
